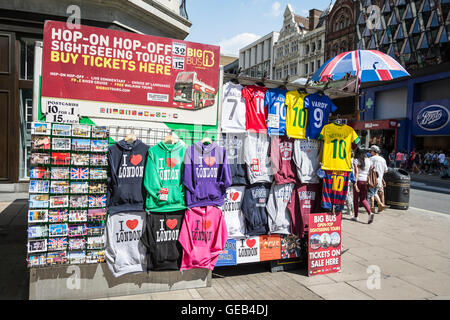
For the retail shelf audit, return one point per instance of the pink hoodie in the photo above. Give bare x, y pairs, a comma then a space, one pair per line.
203, 236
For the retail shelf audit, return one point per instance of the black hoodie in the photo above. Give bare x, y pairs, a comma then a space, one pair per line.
254, 208
125, 179
160, 237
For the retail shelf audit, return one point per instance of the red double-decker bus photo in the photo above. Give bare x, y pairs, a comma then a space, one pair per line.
191, 93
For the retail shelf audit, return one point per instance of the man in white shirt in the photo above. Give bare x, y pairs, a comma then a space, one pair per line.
379, 165
441, 158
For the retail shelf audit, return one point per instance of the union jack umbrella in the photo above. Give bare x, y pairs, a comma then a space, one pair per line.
367, 65
97, 201
79, 173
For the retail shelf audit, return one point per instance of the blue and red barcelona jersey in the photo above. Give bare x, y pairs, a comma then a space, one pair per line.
335, 186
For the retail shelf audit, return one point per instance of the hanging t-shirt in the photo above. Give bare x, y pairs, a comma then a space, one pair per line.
254, 209
335, 187
276, 118
231, 209
338, 139
307, 159
233, 108
234, 144
319, 107
256, 152
278, 215
305, 199
281, 154
296, 114
255, 109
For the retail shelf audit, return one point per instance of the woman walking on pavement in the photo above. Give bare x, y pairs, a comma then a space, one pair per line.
362, 166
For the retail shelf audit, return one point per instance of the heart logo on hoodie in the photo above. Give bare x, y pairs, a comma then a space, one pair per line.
250, 242
132, 223
210, 161
207, 224
171, 223
135, 159
234, 196
171, 162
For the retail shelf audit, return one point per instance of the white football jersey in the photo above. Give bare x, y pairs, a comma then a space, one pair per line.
233, 108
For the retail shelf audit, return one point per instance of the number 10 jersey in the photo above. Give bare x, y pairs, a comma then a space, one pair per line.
233, 108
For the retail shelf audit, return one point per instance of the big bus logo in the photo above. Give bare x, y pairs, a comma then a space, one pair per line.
191, 93
200, 58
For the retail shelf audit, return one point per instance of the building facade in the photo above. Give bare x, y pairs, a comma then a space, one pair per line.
22, 25
299, 51
256, 58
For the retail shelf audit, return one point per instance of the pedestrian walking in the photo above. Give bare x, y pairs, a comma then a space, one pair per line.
398, 159
379, 165
441, 158
361, 166
391, 158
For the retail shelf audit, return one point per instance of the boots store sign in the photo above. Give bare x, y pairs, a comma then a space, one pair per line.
121, 75
431, 118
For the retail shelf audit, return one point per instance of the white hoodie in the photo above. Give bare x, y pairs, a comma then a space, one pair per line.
278, 215
307, 154
125, 252
256, 155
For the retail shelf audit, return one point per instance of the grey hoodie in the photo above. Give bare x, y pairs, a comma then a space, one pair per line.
256, 154
124, 252
307, 155
278, 215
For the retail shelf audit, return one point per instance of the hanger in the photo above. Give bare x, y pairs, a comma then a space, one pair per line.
301, 90
206, 140
171, 138
130, 138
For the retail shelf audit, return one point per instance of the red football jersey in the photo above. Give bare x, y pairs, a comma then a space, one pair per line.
256, 110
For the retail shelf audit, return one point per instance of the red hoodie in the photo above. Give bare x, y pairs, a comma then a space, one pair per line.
281, 153
203, 236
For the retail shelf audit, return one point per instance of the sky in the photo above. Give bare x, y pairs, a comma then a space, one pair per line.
233, 24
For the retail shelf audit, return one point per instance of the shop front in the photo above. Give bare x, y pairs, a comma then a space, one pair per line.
380, 132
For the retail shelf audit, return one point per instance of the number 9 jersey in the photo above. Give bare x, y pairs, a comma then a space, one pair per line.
296, 114
337, 146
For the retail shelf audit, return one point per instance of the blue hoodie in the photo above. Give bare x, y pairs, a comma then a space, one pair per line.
206, 175
125, 179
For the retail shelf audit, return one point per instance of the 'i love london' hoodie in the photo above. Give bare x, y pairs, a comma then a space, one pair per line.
203, 236
163, 177
126, 172
206, 175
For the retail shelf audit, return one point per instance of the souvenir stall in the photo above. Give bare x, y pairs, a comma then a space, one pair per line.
129, 199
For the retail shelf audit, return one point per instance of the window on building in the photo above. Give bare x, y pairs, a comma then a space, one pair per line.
286, 49
278, 74
312, 67
313, 47
307, 49
285, 71
27, 58
293, 69
318, 64
319, 45
279, 52
306, 68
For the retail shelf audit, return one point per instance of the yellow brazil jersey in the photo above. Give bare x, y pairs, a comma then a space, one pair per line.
296, 115
337, 146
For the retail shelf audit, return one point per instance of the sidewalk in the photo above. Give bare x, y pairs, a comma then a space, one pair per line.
409, 248
432, 183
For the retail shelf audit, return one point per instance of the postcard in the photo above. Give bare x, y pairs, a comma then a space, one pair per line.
59, 187
80, 159
58, 230
41, 128
97, 214
96, 230
80, 130
96, 256
38, 201
60, 173
55, 244
79, 173
57, 257
35, 260
39, 158
77, 244
99, 160
97, 187
37, 245
37, 231
39, 173
79, 187
78, 201
97, 201
101, 132
61, 143
98, 174
39, 186
37, 216
78, 215
59, 201
81, 145
95, 243
77, 230
99, 145
62, 130
61, 158
77, 257
40, 143
55, 216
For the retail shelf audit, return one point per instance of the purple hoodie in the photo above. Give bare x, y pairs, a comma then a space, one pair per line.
206, 175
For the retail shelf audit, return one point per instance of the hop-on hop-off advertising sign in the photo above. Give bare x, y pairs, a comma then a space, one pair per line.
122, 75
324, 254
